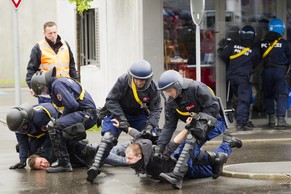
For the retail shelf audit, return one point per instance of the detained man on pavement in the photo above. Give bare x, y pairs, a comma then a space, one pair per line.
140, 155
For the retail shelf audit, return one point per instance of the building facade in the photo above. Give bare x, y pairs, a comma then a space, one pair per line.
112, 34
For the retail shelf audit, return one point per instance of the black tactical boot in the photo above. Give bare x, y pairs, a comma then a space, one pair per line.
61, 165
282, 123
217, 160
92, 173
271, 120
102, 153
232, 141
175, 180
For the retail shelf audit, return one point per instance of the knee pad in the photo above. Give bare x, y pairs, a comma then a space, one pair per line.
109, 138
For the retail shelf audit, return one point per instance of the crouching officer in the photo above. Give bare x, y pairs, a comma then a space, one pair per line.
79, 114
29, 124
134, 101
188, 98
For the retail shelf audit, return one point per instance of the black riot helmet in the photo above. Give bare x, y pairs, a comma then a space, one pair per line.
40, 81
141, 70
247, 33
170, 79
18, 118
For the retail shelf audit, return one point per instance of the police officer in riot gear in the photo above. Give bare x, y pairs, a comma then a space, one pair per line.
134, 101
276, 56
187, 98
78, 114
29, 124
241, 57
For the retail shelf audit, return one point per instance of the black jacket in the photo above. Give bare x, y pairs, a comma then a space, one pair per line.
195, 97
121, 101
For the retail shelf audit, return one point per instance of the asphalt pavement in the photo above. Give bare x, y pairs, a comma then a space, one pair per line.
262, 165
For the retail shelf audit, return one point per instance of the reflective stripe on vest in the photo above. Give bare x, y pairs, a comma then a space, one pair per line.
50, 59
239, 54
36, 136
48, 114
270, 48
133, 87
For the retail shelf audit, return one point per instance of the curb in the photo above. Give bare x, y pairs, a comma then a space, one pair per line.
259, 175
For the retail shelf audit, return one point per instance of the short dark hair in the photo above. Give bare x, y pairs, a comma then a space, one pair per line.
49, 24
31, 161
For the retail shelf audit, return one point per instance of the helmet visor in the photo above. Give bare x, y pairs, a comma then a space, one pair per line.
172, 92
24, 128
139, 84
247, 35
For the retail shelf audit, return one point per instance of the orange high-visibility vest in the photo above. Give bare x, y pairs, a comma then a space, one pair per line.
50, 59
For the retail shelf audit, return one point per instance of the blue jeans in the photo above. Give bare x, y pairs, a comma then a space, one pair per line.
196, 171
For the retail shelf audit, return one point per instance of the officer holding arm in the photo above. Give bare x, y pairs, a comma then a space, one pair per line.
134, 101
187, 98
79, 114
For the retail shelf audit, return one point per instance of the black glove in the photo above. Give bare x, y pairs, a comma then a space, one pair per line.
147, 132
157, 152
19, 165
123, 126
191, 125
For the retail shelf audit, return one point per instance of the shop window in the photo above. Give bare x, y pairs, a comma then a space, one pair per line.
180, 43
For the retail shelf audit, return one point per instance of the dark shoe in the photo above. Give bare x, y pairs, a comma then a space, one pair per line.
233, 142
271, 120
217, 168
58, 167
92, 174
250, 124
282, 123
244, 127
171, 178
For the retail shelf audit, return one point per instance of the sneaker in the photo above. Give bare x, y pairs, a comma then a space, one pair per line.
171, 178
249, 123
233, 142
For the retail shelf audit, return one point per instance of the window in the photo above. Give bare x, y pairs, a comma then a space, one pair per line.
89, 38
